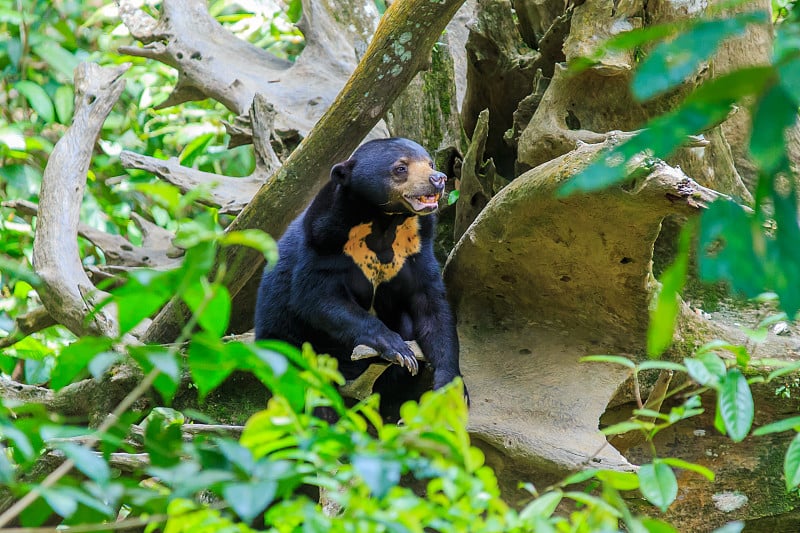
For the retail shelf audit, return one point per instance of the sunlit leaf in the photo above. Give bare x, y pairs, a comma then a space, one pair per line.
37, 98
735, 405
791, 464
619, 480
249, 499
658, 484
75, 358
195, 148
62, 503
543, 506
59, 59
208, 363
379, 473
693, 467
653, 525
706, 369
211, 305
255, 239
667, 301
64, 100
774, 113
672, 62
778, 426
625, 427
87, 461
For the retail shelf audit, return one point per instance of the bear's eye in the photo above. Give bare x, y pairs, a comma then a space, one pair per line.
400, 169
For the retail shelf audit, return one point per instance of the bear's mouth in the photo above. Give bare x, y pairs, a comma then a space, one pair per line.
423, 204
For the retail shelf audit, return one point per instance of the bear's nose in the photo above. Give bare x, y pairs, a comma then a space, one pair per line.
438, 179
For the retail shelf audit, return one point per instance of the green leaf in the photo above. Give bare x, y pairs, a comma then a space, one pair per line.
156, 357
662, 365
88, 462
207, 363
625, 427
39, 371
787, 424
727, 241
75, 358
672, 62
195, 148
62, 503
619, 480
453, 197
658, 484
142, 295
37, 98
61, 60
255, 239
379, 473
735, 404
791, 464
6, 469
249, 499
64, 100
667, 302
211, 304
580, 477
653, 525
593, 502
543, 506
774, 113
685, 465
612, 359
295, 11
706, 369
741, 353
705, 107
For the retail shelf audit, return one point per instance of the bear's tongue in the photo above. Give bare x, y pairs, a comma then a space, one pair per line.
429, 199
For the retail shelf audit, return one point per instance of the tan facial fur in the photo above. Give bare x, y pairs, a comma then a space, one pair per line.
417, 186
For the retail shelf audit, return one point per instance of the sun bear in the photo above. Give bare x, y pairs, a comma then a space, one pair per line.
357, 267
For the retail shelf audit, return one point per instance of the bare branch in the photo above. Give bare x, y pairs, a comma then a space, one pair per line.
230, 194
67, 293
24, 325
118, 250
213, 63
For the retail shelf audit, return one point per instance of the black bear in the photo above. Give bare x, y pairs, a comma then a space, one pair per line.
357, 267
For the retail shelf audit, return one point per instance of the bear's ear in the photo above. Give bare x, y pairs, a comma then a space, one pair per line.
341, 172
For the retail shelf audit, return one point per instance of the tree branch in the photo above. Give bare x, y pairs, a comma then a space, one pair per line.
31, 322
67, 292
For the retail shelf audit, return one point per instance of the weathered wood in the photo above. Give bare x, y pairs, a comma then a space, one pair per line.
66, 292
537, 281
213, 63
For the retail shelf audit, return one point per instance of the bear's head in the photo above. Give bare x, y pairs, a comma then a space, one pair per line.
397, 175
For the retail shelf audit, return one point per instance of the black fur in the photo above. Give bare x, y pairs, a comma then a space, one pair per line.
316, 292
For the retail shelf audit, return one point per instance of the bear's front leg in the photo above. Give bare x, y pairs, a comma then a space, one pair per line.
334, 312
435, 332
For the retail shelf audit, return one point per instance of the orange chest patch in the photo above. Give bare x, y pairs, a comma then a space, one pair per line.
405, 244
